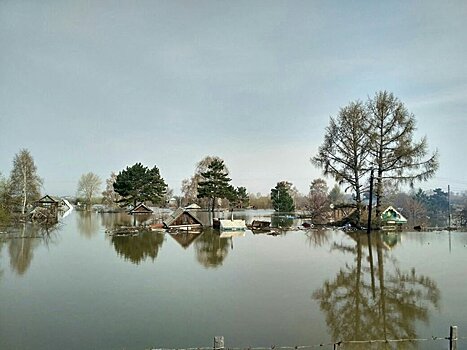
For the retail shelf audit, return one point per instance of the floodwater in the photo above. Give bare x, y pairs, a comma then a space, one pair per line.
75, 287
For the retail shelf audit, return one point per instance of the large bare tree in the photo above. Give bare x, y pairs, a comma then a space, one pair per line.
89, 184
24, 182
345, 152
396, 156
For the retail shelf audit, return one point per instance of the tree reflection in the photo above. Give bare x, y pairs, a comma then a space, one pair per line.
317, 238
140, 247
87, 223
21, 247
211, 249
358, 308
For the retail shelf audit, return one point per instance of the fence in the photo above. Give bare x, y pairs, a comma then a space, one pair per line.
219, 343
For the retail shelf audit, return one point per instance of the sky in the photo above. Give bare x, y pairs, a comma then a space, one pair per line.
96, 86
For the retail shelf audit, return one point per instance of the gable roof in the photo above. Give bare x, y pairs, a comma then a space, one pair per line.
141, 208
392, 216
178, 213
47, 199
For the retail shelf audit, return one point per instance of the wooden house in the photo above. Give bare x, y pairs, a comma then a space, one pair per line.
183, 220
141, 209
391, 219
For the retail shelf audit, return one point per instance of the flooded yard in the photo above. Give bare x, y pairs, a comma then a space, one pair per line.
76, 287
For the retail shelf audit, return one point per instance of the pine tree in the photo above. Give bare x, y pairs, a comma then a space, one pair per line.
282, 201
139, 184
215, 183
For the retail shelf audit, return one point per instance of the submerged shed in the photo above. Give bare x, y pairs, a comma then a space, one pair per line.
141, 209
182, 219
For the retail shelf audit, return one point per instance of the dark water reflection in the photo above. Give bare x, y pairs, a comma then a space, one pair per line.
139, 247
211, 249
300, 287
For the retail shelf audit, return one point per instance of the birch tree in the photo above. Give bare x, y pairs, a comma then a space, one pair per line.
395, 155
24, 182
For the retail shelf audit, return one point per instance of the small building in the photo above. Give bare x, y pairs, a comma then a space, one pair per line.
182, 219
391, 218
141, 209
53, 204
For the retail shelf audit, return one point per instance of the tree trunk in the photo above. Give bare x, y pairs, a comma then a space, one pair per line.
25, 197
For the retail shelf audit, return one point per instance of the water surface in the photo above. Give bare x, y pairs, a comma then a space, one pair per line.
75, 287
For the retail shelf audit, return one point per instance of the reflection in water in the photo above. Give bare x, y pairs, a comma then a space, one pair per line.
87, 223
375, 302
139, 247
211, 249
317, 238
23, 241
113, 220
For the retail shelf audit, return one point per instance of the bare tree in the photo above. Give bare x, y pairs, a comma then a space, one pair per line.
89, 184
109, 196
344, 153
395, 155
24, 182
318, 204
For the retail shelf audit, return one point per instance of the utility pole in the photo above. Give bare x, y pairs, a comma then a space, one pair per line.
370, 203
449, 208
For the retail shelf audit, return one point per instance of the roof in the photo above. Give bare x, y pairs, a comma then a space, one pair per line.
48, 199
193, 206
141, 208
176, 214
392, 216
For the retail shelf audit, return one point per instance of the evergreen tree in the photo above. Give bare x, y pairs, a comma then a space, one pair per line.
282, 201
24, 182
240, 198
215, 183
139, 184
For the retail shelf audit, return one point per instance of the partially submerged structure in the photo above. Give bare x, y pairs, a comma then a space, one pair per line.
141, 209
49, 207
392, 219
182, 219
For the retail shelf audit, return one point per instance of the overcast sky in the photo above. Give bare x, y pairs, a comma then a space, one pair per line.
100, 85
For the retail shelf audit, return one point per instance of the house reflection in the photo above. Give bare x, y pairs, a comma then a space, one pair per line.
373, 298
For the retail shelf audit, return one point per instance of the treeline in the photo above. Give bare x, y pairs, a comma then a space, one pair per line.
372, 139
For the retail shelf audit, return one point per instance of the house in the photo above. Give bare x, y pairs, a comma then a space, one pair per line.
391, 218
182, 219
53, 204
141, 209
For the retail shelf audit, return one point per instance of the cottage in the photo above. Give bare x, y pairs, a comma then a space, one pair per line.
182, 219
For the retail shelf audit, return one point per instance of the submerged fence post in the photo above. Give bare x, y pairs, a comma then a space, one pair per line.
453, 338
219, 342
